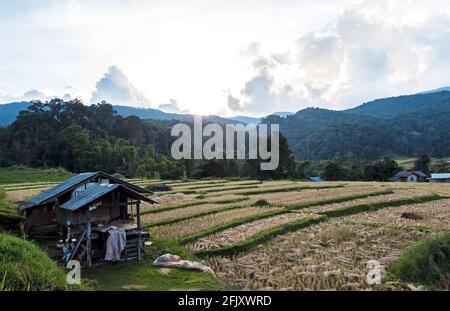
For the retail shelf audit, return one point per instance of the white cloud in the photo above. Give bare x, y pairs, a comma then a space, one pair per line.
115, 88
373, 49
234, 103
272, 55
29, 95
172, 107
252, 49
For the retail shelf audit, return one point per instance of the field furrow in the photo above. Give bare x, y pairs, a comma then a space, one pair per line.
243, 232
188, 227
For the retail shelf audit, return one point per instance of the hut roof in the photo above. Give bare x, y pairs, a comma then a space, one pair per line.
97, 191
70, 184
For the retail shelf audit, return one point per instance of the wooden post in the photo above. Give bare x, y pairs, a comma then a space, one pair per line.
139, 239
88, 244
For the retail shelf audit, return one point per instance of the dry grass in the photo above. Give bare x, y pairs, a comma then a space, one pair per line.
271, 185
397, 195
307, 195
167, 200
316, 258
183, 212
191, 226
243, 232
21, 195
210, 186
434, 215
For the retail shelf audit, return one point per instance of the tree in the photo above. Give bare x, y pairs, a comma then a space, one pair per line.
335, 169
422, 164
302, 169
385, 168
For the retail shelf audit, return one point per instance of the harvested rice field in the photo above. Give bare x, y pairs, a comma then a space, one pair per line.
243, 232
265, 241
328, 256
187, 227
292, 235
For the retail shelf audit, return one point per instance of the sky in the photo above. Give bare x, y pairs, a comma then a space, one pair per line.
226, 57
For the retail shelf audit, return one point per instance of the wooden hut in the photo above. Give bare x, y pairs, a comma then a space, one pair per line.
85, 209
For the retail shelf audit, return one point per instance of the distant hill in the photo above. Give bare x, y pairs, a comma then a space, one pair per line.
447, 89
9, 112
283, 114
391, 107
404, 126
156, 114
399, 126
246, 120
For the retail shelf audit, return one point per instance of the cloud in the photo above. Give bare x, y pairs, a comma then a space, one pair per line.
172, 107
233, 103
372, 49
263, 94
115, 88
253, 49
29, 95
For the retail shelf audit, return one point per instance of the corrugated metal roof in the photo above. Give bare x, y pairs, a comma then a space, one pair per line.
88, 196
440, 176
407, 173
50, 193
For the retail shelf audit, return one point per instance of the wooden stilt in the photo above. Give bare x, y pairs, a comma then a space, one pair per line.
89, 247
139, 239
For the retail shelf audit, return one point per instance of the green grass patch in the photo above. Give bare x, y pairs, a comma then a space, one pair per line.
355, 209
24, 266
23, 174
145, 277
426, 263
261, 237
289, 189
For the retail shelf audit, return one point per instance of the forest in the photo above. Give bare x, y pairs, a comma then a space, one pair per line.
80, 138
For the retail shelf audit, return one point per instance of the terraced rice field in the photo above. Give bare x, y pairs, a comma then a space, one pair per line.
268, 247
291, 235
187, 227
327, 256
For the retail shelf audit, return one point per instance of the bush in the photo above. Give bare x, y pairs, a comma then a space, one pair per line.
24, 266
426, 263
